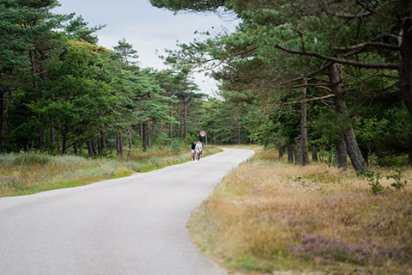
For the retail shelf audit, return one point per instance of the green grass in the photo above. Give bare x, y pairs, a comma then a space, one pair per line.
32, 172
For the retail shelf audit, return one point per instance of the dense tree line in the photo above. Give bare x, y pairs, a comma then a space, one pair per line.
310, 75
63, 93
304, 76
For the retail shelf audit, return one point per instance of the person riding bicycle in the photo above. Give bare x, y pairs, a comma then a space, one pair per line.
198, 149
193, 150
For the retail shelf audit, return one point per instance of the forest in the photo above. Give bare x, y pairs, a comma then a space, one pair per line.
62, 93
315, 94
311, 76
315, 79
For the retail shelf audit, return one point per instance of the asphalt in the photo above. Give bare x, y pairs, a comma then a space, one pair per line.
134, 225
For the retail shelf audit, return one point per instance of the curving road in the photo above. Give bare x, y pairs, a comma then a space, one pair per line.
134, 225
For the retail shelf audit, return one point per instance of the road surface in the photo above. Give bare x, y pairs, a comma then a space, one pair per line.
134, 225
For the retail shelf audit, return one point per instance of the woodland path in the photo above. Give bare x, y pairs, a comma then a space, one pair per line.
133, 225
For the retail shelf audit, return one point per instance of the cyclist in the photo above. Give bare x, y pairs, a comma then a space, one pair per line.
198, 150
193, 150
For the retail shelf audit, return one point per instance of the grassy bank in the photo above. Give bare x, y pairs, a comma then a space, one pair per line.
28, 173
269, 216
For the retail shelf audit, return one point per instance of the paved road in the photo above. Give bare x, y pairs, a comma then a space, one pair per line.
134, 225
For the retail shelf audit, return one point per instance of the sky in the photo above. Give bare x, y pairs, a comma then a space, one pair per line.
150, 30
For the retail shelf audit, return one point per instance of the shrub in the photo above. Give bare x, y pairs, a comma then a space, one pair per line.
374, 182
392, 160
176, 145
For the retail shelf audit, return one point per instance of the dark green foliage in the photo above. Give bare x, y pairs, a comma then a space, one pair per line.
61, 93
282, 47
177, 5
78, 29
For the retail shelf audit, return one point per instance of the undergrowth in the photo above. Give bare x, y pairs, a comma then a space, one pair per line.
269, 216
31, 172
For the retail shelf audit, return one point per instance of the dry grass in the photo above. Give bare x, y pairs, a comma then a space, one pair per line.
268, 216
28, 173
243, 146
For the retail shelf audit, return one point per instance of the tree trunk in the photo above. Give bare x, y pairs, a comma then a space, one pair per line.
90, 147
76, 148
145, 137
52, 136
358, 162
99, 147
365, 153
238, 132
341, 153
180, 112
2, 118
410, 149
149, 133
101, 143
282, 150
297, 154
170, 132
291, 151
33, 62
119, 143
303, 150
315, 151
405, 73
185, 120
64, 143
130, 136
42, 139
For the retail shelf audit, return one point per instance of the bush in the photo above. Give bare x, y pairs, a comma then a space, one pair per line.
162, 140
374, 182
176, 145
392, 160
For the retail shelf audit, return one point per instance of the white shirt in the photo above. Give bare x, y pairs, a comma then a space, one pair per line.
199, 146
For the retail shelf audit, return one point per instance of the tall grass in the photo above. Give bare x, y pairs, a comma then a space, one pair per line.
268, 216
31, 172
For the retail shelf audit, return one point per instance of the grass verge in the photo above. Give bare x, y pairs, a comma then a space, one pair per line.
270, 217
28, 173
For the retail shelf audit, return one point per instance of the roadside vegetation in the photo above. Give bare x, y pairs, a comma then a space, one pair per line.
32, 172
270, 216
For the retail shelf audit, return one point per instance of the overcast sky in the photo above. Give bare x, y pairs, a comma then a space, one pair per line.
147, 28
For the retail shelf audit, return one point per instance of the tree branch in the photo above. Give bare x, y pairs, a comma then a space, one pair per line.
366, 45
300, 101
347, 15
340, 60
314, 85
359, 15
